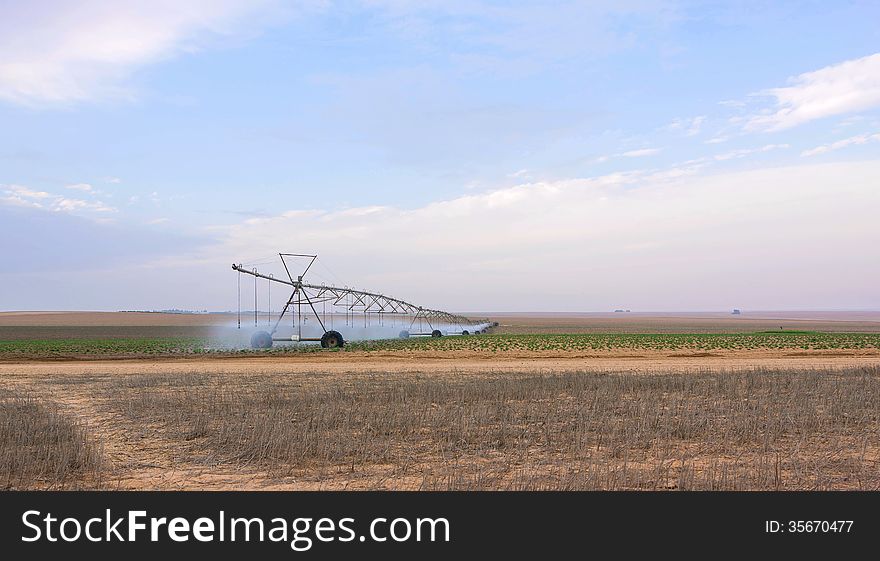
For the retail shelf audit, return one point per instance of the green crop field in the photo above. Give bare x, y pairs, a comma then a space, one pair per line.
603, 342
64, 348
177, 346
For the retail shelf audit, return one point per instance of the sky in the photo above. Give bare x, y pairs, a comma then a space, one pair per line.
475, 155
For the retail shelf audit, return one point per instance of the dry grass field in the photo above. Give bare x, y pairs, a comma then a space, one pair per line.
757, 429
667, 408
44, 448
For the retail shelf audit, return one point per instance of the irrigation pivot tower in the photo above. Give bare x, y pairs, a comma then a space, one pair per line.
353, 309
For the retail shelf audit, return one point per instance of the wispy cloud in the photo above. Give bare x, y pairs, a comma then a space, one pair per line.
26, 192
742, 152
843, 143
18, 195
637, 153
639, 224
640, 152
65, 204
81, 187
523, 173
59, 52
847, 87
690, 127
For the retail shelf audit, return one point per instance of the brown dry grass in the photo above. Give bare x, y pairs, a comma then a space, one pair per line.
759, 429
42, 448
750, 430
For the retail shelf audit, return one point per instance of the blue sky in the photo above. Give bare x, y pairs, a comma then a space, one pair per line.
646, 155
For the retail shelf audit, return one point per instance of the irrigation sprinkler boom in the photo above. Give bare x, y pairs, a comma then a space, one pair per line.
306, 298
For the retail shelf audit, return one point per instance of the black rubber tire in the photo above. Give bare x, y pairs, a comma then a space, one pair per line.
403, 334
261, 340
436, 333
465, 332
332, 340
477, 332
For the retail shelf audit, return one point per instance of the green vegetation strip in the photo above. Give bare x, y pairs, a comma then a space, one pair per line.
665, 341
60, 348
146, 346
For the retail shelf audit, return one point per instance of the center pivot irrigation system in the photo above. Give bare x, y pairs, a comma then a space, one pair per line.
340, 309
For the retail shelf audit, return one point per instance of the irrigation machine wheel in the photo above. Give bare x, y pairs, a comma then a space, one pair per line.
261, 340
404, 334
436, 333
332, 339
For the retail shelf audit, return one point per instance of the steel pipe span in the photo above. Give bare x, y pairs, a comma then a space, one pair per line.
305, 299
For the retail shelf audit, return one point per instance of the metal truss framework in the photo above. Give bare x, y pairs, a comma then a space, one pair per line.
352, 303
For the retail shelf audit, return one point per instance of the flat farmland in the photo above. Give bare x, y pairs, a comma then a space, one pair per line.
150, 401
697, 322
670, 322
111, 319
196, 428
489, 348
90, 335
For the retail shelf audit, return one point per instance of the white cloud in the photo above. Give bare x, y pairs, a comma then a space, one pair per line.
81, 187
847, 87
747, 151
18, 195
26, 192
696, 123
640, 152
75, 50
362, 211
691, 127
672, 238
718, 139
64, 204
851, 141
